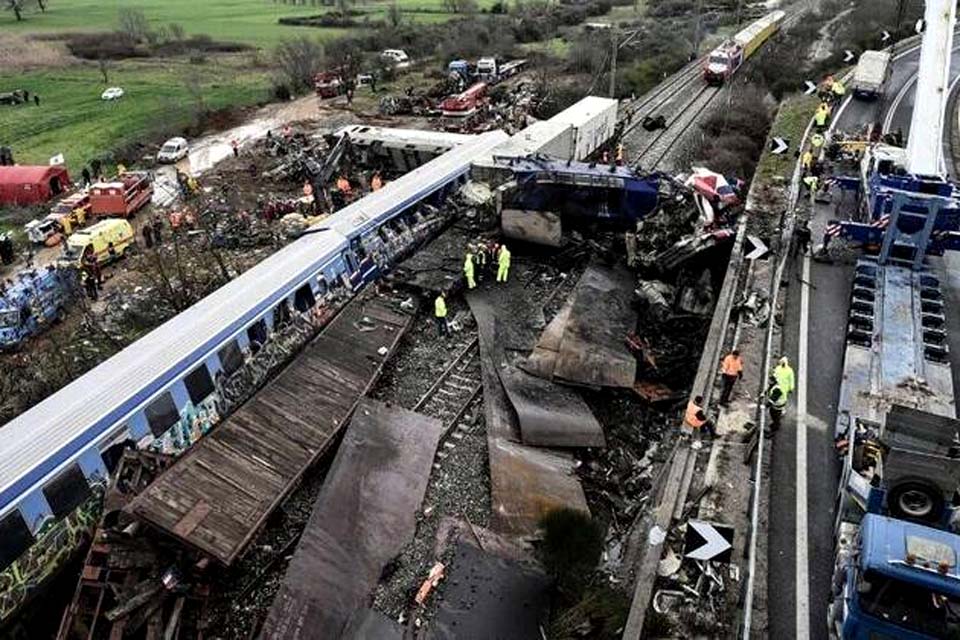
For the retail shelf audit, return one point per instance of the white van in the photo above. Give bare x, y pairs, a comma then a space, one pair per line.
173, 150
396, 57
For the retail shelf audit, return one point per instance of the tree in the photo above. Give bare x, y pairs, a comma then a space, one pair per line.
175, 29
343, 6
17, 7
394, 15
299, 60
133, 24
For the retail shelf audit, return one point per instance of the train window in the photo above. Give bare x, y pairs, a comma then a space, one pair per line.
281, 314
16, 538
304, 299
257, 334
230, 357
199, 384
162, 414
322, 286
114, 453
67, 491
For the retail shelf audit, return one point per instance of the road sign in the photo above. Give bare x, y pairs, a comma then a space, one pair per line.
779, 145
885, 36
809, 88
848, 56
709, 541
759, 250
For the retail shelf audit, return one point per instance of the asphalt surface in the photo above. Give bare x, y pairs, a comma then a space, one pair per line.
827, 300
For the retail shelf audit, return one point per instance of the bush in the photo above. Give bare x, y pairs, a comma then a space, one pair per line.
572, 544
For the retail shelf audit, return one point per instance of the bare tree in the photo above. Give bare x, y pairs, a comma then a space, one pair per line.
133, 24
17, 7
299, 60
175, 29
394, 15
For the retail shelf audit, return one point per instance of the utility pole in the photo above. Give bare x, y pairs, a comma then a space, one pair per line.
696, 30
613, 61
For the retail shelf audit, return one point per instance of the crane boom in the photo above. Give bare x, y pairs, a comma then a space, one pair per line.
924, 144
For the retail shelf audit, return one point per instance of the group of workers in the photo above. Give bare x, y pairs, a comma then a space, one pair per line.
482, 254
782, 383
479, 254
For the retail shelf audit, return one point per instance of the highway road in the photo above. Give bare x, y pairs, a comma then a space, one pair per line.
805, 467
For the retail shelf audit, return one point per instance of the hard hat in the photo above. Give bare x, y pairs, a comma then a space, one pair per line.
784, 362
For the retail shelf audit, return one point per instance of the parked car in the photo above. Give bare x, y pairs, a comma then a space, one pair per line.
398, 58
173, 150
113, 93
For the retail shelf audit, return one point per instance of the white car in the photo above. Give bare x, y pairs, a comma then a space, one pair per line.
113, 93
173, 150
398, 58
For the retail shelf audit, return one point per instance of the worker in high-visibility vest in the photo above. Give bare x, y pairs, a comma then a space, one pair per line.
812, 183
784, 376
806, 161
821, 116
468, 269
837, 89
695, 419
440, 313
817, 140
503, 264
776, 404
731, 370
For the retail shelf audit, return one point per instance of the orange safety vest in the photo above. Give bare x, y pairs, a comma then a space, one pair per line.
732, 365
690, 417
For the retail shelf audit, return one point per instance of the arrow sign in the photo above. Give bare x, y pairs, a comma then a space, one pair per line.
760, 248
779, 145
920, 26
809, 88
709, 541
848, 56
885, 36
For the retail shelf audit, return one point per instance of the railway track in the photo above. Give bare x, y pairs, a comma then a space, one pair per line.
455, 389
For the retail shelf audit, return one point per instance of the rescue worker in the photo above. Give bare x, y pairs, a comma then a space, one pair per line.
148, 236
838, 90
695, 419
121, 169
90, 286
376, 182
157, 230
784, 376
802, 234
236, 147
776, 404
806, 161
816, 141
482, 257
86, 176
812, 183
440, 313
503, 264
731, 370
821, 116
112, 252
468, 269
620, 156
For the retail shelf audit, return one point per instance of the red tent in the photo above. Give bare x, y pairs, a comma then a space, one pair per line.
28, 185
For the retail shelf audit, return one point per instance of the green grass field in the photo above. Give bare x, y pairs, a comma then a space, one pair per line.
249, 21
73, 120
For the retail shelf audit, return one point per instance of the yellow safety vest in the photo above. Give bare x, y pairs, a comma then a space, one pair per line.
440, 307
468, 266
504, 259
784, 377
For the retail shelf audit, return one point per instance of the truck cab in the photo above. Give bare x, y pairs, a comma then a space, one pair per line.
487, 68
895, 579
36, 298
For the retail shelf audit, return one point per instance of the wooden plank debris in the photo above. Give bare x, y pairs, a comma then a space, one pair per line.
218, 495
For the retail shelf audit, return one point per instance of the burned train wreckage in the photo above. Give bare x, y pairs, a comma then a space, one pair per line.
235, 401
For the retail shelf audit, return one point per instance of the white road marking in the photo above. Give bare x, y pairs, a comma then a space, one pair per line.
895, 105
802, 598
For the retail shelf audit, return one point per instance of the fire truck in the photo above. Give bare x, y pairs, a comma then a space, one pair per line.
328, 84
121, 196
464, 104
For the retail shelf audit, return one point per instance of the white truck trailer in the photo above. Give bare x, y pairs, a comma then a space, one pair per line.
870, 74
